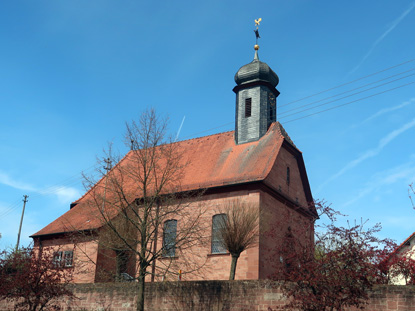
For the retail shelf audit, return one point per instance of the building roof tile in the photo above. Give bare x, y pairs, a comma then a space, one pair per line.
211, 161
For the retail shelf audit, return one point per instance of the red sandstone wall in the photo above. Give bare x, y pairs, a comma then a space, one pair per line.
278, 177
198, 263
85, 255
276, 222
210, 295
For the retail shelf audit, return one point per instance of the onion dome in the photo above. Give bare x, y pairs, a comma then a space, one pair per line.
256, 71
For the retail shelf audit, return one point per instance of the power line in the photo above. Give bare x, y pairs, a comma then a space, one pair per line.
338, 94
338, 106
329, 102
335, 107
350, 82
11, 208
348, 103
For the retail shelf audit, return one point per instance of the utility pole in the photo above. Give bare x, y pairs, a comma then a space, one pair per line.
107, 168
21, 221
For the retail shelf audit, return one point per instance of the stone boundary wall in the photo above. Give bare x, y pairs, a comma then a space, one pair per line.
210, 296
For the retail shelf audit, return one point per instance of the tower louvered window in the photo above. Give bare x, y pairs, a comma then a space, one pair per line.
248, 107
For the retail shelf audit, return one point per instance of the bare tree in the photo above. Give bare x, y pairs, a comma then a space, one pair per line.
238, 229
144, 213
411, 190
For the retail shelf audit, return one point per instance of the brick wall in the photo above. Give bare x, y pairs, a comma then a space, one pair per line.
210, 295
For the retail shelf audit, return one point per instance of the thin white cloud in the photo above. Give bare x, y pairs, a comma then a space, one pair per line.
388, 138
372, 152
379, 40
8, 181
390, 109
63, 193
405, 172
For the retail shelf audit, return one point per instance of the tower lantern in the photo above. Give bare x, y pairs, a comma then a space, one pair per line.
256, 96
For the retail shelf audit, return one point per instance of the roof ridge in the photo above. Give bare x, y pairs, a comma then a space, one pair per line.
274, 126
402, 244
180, 141
284, 133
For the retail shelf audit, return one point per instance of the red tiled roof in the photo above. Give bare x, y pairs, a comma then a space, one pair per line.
213, 161
396, 251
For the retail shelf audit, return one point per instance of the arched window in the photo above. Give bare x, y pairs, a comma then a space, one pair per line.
217, 241
169, 238
288, 175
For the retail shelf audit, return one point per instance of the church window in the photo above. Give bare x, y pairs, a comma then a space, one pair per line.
288, 175
122, 262
248, 107
169, 238
218, 221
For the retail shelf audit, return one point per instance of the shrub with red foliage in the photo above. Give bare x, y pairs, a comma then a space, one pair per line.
339, 271
32, 279
402, 266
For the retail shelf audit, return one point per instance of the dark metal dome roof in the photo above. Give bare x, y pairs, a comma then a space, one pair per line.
256, 71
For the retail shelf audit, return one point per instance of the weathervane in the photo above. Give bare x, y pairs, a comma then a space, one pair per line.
257, 21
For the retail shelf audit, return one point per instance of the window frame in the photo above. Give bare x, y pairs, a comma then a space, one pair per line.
57, 258
68, 259
63, 259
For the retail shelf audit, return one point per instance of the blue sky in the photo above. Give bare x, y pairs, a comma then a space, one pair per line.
73, 72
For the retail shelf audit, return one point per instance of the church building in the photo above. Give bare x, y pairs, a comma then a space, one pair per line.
257, 164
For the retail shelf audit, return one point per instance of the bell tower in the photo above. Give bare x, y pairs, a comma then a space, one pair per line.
256, 96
